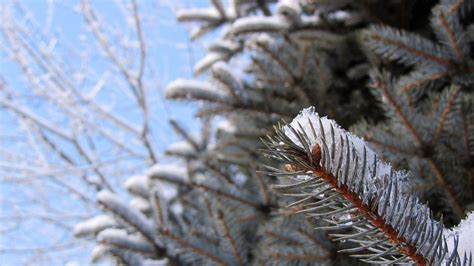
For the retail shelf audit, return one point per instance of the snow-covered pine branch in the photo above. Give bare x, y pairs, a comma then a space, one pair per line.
460, 238
119, 238
131, 216
259, 24
339, 180
199, 90
94, 225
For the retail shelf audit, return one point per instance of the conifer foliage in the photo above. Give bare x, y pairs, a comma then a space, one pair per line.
398, 74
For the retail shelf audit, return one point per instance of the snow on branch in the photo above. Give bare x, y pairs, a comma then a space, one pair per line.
198, 90
181, 149
460, 238
129, 215
209, 15
289, 8
210, 59
138, 185
342, 183
94, 225
169, 172
259, 24
121, 239
223, 73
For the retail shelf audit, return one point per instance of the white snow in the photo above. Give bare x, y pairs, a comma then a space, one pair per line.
465, 232
224, 46
99, 252
120, 238
150, 262
169, 171
208, 60
340, 15
168, 190
194, 89
226, 126
183, 148
227, 75
140, 204
93, 225
259, 24
290, 8
128, 214
209, 15
358, 143
138, 185
222, 71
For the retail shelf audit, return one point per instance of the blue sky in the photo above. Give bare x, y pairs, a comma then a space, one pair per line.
169, 57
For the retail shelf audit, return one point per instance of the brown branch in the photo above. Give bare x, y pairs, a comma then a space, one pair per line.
207, 204
228, 235
262, 188
203, 235
305, 60
413, 50
466, 134
247, 218
158, 210
444, 115
455, 7
451, 37
398, 109
419, 82
192, 247
373, 218
190, 204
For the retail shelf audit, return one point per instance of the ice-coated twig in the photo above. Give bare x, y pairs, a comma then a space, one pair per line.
347, 186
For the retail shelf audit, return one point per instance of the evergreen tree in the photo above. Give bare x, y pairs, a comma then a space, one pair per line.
398, 74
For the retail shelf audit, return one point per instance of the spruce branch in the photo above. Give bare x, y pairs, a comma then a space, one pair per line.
412, 121
449, 56
419, 78
192, 247
137, 221
450, 33
193, 185
234, 240
346, 186
456, 6
405, 47
451, 98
